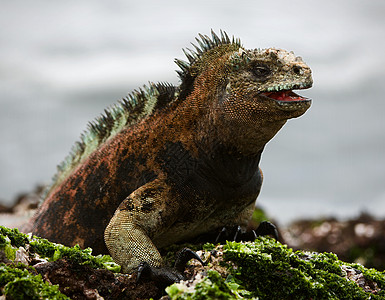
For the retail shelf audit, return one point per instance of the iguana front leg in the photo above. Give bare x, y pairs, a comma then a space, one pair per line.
138, 218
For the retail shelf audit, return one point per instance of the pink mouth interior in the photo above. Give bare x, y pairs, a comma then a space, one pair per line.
284, 96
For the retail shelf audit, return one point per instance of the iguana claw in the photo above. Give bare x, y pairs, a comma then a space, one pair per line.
163, 276
264, 228
183, 257
166, 276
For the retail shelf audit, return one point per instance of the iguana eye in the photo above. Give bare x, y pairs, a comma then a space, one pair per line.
297, 70
261, 71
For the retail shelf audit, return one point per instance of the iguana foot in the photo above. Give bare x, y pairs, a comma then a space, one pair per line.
237, 234
162, 276
165, 276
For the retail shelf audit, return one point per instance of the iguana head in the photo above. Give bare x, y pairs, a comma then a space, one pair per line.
250, 92
264, 81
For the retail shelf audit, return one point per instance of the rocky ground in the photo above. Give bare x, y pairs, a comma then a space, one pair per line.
34, 268
360, 240
22, 209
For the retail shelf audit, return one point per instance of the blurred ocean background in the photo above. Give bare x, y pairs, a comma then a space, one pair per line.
62, 63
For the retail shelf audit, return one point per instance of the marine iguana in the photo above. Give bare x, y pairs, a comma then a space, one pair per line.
169, 163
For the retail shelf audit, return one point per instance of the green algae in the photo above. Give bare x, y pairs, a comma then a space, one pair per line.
213, 286
21, 282
12, 239
12, 236
266, 269
272, 270
18, 283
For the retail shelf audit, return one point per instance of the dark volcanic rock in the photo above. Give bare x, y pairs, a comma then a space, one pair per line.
359, 240
83, 282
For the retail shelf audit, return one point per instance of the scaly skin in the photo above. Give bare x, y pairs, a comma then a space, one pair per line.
170, 163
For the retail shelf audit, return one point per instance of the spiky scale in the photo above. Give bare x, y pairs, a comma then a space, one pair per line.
215, 38
190, 56
182, 64
225, 37
206, 41
201, 44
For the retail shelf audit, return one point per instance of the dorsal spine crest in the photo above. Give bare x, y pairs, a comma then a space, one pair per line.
138, 105
130, 110
205, 44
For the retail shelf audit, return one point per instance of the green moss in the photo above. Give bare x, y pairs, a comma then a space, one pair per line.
208, 247
16, 238
374, 276
10, 252
266, 269
76, 254
17, 283
213, 286
270, 270
12, 239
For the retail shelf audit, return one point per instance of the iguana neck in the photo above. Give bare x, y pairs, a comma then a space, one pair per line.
205, 115
230, 167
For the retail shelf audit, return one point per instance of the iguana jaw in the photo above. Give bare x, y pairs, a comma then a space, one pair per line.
287, 100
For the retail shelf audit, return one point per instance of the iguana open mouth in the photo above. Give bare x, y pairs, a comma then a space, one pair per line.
287, 96
287, 100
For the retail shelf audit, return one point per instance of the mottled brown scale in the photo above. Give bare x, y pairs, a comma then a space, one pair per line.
185, 163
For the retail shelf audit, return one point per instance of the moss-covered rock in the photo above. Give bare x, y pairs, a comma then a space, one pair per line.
18, 280
264, 269
12, 239
360, 239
